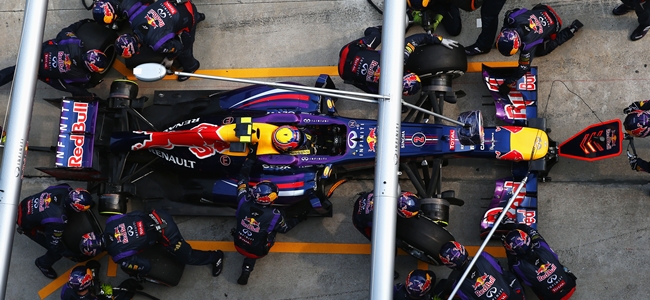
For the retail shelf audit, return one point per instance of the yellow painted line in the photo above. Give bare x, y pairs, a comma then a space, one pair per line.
422, 265
61, 280
119, 66
472, 67
111, 268
279, 247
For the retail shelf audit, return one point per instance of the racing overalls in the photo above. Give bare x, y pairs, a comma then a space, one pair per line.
542, 270
128, 9
257, 224
169, 28
359, 61
129, 234
362, 214
62, 65
488, 281
42, 218
539, 31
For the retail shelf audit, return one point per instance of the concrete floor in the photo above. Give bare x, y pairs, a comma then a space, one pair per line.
592, 214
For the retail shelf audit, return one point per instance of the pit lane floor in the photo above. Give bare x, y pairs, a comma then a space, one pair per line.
592, 214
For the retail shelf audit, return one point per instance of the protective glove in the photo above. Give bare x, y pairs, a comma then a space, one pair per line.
633, 161
449, 43
632, 107
106, 289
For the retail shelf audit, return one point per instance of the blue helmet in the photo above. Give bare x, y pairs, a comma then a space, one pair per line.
508, 42
637, 123
96, 61
81, 278
265, 192
408, 205
419, 283
91, 244
453, 254
127, 45
410, 84
517, 242
104, 12
79, 200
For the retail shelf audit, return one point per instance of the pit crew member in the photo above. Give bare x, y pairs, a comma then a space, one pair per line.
65, 65
417, 286
166, 28
128, 234
114, 12
637, 124
359, 61
537, 265
84, 285
642, 11
42, 218
532, 33
258, 221
486, 280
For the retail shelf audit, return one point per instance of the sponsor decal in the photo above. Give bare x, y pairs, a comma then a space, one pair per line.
176, 160
558, 286
352, 139
227, 120
154, 19
120, 234
251, 224
75, 160
545, 270
355, 64
452, 139
535, 24
483, 284
140, 228
225, 160
186, 122
63, 62
372, 139
170, 7
46, 61
548, 18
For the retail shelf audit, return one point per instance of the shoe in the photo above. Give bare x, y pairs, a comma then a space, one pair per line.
621, 10
217, 266
395, 275
245, 273
475, 50
200, 17
184, 78
48, 272
639, 32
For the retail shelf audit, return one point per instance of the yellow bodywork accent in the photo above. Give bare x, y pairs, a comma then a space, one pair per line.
264, 143
528, 139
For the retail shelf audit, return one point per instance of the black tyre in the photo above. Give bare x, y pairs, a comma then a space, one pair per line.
433, 60
121, 88
112, 204
424, 236
78, 225
96, 36
165, 269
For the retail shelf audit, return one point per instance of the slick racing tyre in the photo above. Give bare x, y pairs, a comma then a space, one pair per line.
422, 238
78, 225
434, 60
165, 269
96, 36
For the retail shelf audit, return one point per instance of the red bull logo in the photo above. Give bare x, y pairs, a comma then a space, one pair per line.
535, 24
372, 139
512, 155
483, 284
545, 270
153, 19
87, 280
120, 234
79, 126
202, 140
63, 61
251, 224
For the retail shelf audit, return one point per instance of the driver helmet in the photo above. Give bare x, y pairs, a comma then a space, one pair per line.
410, 84
81, 278
91, 244
508, 41
96, 61
418, 283
517, 242
265, 192
288, 138
79, 200
104, 12
453, 254
408, 205
637, 123
127, 45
